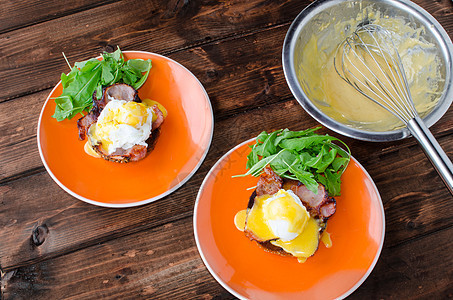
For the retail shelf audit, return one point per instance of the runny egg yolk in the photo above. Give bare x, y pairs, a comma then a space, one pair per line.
283, 220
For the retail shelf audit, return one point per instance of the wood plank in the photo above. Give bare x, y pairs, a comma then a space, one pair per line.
31, 58
83, 251
74, 224
420, 269
163, 263
235, 77
22, 13
18, 126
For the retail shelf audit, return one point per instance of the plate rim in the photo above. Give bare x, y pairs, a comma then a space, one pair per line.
235, 293
142, 202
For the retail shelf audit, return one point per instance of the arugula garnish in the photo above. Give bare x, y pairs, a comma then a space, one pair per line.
300, 155
92, 75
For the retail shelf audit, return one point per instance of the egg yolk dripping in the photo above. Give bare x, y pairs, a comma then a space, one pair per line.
122, 124
283, 220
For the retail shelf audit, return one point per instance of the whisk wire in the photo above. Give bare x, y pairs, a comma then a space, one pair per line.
403, 87
402, 93
376, 88
373, 42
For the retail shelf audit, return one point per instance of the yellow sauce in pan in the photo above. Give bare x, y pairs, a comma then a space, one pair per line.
336, 98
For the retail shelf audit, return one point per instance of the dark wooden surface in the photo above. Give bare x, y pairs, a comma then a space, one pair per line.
234, 48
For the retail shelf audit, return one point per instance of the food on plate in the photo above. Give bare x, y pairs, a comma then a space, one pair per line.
120, 126
299, 174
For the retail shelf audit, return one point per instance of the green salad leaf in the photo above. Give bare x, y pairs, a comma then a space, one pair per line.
93, 75
300, 155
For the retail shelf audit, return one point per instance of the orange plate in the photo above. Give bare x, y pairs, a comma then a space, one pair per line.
182, 146
245, 270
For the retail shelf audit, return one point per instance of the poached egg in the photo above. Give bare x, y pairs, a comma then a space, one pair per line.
122, 124
284, 221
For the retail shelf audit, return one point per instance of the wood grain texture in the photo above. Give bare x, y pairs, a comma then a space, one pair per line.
22, 13
163, 263
31, 59
413, 270
53, 246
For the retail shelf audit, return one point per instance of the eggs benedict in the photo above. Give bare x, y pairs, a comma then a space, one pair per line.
286, 218
121, 127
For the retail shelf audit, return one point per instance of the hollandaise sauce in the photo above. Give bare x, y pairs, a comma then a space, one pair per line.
325, 239
239, 219
284, 221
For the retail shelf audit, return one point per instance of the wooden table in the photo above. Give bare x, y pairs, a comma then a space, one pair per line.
54, 246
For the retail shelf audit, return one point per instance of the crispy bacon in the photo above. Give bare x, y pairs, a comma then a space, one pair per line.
160, 118
319, 205
269, 182
84, 123
119, 91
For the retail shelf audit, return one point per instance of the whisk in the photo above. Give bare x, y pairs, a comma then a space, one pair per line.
369, 61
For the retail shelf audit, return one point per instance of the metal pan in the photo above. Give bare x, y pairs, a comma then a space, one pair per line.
311, 20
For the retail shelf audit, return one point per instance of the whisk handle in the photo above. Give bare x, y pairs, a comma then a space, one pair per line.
433, 151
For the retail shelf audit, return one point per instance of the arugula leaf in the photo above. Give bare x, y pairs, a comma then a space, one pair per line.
267, 147
93, 75
305, 177
287, 134
107, 71
63, 108
300, 155
301, 143
283, 162
138, 64
259, 166
142, 80
252, 159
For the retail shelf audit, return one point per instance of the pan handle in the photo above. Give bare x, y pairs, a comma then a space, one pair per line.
433, 151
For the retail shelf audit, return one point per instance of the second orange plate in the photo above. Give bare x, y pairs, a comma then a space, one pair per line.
248, 272
182, 145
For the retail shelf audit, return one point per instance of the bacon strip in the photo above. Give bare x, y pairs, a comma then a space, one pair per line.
160, 118
119, 91
269, 182
84, 123
319, 205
